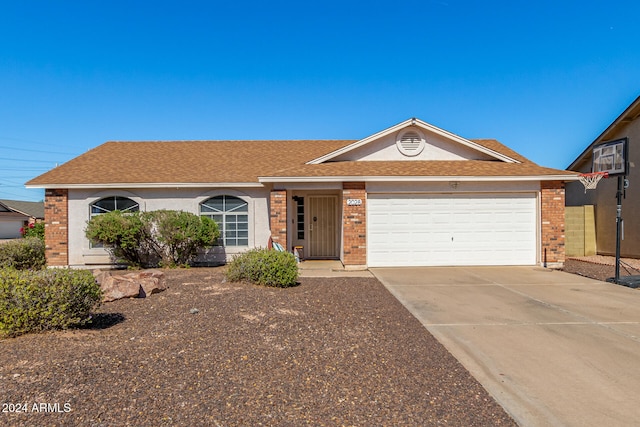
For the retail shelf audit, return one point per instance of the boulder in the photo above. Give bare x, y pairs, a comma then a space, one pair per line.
151, 282
130, 285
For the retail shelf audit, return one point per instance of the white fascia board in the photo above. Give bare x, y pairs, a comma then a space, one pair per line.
414, 122
286, 179
465, 142
359, 143
150, 185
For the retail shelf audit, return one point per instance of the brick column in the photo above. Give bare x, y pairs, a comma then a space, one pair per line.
354, 225
56, 227
552, 203
278, 216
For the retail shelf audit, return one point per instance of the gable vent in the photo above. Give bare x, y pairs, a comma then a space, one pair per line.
410, 143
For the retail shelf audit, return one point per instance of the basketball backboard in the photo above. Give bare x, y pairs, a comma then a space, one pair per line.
611, 157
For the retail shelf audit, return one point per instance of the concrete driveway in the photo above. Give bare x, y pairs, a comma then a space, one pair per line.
554, 349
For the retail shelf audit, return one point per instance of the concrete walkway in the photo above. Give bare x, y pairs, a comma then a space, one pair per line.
554, 349
328, 268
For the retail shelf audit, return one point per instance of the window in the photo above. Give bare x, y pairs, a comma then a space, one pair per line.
232, 215
300, 216
114, 203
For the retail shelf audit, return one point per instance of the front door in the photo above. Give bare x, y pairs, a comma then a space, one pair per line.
323, 226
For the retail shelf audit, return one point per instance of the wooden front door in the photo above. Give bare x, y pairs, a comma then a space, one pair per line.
323, 226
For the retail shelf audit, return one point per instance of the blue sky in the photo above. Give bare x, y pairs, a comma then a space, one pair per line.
545, 77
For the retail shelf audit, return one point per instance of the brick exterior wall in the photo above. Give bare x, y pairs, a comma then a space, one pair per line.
553, 231
278, 216
354, 225
56, 230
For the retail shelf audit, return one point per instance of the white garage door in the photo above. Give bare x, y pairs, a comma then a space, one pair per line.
10, 228
431, 230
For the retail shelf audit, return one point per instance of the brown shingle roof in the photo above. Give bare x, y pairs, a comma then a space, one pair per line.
210, 162
184, 161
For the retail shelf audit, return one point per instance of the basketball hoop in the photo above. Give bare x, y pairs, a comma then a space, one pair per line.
591, 180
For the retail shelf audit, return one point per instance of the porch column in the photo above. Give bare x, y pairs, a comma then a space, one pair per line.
552, 217
278, 216
56, 227
354, 225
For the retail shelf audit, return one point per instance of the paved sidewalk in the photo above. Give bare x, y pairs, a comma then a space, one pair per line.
328, 268
554, 349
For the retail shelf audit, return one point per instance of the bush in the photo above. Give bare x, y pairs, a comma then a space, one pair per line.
178, 235
123, 234
264, 267
33, 230
148, 239
23, 254
32, 301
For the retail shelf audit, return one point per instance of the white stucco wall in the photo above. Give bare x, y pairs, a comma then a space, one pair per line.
185, 199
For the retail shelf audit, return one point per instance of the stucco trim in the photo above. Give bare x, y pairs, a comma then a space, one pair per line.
422, 126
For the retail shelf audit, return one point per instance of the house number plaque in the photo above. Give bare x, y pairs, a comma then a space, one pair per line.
354, 202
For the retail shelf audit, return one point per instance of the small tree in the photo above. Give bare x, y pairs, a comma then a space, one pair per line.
123, 234
178, 235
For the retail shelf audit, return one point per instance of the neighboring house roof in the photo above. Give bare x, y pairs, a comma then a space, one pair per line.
30, 209
631, 113
249, 163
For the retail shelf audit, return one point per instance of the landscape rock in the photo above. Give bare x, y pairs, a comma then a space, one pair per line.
151, 282
131, 285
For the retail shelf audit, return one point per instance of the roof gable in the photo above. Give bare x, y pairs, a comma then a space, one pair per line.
628, 116
431, 144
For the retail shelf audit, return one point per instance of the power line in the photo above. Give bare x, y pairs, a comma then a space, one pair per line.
36, 151
28, 160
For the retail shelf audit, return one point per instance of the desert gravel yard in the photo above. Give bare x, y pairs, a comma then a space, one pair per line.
331, 351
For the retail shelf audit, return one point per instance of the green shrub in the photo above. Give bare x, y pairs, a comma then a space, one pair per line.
178, 235
264, 267
23, 254
32, 301
33, 230
123, 234
148, 239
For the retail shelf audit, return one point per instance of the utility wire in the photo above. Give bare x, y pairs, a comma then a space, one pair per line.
36, 151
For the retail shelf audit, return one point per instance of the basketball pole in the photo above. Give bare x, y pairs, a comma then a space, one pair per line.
619, 225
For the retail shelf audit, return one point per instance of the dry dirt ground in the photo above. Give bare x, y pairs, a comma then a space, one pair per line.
334, 352
601, 267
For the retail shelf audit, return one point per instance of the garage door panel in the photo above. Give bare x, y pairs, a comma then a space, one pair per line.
416, 230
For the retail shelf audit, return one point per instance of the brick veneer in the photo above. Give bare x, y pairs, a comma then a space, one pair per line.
56, 230
278, 216
552, 200
354, 225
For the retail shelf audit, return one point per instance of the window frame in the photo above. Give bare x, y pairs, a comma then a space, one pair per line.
230, 231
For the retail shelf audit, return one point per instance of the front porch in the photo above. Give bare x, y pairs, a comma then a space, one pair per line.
322, 224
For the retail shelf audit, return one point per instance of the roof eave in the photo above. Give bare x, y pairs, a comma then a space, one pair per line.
622, 118
345, 178
148, 185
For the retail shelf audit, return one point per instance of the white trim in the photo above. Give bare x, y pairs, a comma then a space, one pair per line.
345, 178
150, 185
418, 123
